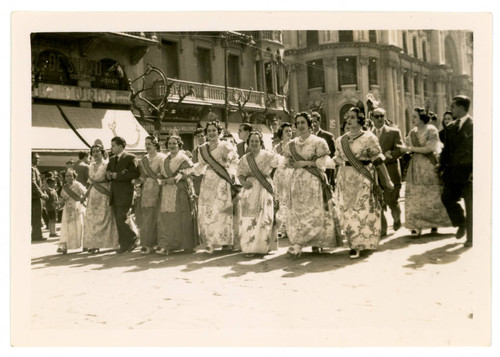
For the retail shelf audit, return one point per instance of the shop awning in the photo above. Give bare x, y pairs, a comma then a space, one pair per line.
50, 132
104, 124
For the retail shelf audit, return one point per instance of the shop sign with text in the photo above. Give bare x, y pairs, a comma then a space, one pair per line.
81, 94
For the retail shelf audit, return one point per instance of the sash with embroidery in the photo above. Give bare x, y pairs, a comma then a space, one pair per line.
376, 190
184, 186
219, 169
71, 193
261, 178
99, 187
327, 188
147, 168
416, 143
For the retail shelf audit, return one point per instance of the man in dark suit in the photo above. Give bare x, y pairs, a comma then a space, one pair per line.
330, 141
456, 167
122, 169
243, 132
390, 142
37, 195
82, 168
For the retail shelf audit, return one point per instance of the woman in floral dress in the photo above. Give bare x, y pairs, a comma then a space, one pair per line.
146, 210
282, 176
310, 216
359, 195
99, 222
218, 162
177, 214
423, 206
72, 218
257, 209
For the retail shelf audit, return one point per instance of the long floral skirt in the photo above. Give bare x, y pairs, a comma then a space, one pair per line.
176, 229
99, 226
358, 210
256, 224
423, 206
308, 221
72, 226
215, 211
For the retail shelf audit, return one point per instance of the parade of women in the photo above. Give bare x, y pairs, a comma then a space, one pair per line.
319, 192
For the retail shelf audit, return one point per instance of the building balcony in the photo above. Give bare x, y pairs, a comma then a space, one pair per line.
214, 95
271, 36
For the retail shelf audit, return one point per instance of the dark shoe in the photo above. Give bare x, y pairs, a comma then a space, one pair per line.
434, 230
383, 234
317, 250
132, 246
53, 235
416, 233
41, 239
354, 253
460, 232
468, 244
396, 225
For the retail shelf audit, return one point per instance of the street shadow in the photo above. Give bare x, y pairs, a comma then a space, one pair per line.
135, 261
405, 241
441, 255
307, 263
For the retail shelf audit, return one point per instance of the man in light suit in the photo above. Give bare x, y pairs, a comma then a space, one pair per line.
330, 141
122, 169
390, 142
243, 132
456, 167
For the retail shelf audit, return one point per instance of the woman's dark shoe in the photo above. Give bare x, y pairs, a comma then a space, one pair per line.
354, 253
434, 230
317, 250
416, 233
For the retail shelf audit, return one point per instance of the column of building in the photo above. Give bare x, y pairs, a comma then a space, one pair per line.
331, 85
389, 90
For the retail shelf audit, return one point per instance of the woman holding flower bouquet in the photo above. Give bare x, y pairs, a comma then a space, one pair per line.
360, 159
177, 226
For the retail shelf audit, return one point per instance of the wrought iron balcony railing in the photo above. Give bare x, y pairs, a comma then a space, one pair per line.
214, 94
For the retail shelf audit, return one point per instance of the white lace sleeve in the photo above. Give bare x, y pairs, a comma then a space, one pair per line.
200, 167
232, 157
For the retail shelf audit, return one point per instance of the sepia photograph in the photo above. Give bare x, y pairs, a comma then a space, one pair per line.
251, 179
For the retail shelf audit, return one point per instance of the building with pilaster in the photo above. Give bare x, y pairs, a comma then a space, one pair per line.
332, 70
234, 77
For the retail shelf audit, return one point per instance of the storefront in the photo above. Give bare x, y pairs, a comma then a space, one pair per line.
80, 93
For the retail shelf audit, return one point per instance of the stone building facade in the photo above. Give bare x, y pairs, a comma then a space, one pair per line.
332, 70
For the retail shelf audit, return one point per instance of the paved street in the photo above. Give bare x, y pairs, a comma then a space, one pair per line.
410, 291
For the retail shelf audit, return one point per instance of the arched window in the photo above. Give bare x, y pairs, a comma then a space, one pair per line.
110, 76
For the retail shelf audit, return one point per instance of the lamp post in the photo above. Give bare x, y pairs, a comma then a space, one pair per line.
231, 36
